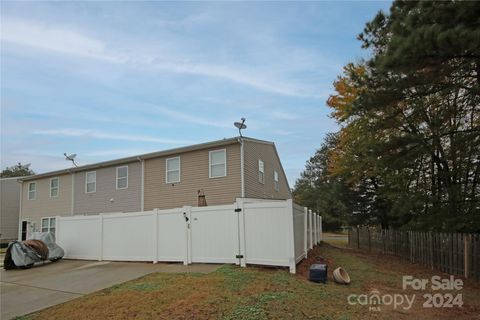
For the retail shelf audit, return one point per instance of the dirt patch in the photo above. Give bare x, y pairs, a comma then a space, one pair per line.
315, 255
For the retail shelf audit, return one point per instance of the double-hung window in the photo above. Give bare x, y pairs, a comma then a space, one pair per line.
172, 173
122, 177
218, 163
91, 182
32, 190
276, 185
54, 187
48, 224
261, 172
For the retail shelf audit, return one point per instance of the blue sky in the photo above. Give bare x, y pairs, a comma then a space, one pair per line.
108, 79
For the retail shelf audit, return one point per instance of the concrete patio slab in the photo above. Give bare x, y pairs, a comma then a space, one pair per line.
29, 290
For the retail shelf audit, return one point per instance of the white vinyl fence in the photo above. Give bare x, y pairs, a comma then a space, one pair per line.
249, 231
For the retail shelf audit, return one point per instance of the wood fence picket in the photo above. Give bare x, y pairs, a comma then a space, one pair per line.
453, 253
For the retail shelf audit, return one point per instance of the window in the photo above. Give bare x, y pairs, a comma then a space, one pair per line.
218, 163
122, 177
32, 190
91, 182
54, 186
173, 170
276, 185
48, 224
261, 172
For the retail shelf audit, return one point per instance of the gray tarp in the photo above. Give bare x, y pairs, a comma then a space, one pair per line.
54, 250
22, 255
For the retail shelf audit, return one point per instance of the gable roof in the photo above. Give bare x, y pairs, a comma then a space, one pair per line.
194, 147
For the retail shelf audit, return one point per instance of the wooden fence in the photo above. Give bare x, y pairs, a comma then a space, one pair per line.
453, 253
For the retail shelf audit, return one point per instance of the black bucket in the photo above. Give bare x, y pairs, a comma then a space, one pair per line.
318, 273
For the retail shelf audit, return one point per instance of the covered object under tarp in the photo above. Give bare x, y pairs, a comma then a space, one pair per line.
39, 248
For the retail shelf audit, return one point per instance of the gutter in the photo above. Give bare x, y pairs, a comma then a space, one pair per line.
73, 193
142, 183
20, 212
242, 168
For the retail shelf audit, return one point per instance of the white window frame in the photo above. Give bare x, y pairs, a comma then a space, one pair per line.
58, 187
86, 182
34, 191
276, 184
49, 227
210, 163
167, 171
261, 169
116, 178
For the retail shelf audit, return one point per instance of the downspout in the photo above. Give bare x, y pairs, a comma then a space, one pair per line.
142, 182
73, 193
242, 168
20, 212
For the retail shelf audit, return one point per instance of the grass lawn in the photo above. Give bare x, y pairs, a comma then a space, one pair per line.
336, 238
261, 293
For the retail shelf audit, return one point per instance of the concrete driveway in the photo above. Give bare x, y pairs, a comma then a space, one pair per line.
29, 290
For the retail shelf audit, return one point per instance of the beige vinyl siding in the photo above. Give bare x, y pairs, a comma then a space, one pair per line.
44, 205
194, 169
9, 210
253, 152
123, 200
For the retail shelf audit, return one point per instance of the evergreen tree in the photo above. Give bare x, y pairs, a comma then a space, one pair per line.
408, 150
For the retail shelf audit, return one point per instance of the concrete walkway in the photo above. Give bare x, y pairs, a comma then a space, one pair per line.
29, 290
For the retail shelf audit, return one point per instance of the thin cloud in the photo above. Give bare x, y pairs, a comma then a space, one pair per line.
189, 21
79, 113
45, 162
284, 115
282, 132
70, 42
231, 74
65, 132
56, 39
188, 117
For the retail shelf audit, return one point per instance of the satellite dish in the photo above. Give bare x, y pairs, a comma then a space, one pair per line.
71, 158
240, 126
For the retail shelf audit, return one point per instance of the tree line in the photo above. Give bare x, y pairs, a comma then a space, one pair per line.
407, 154
18, 170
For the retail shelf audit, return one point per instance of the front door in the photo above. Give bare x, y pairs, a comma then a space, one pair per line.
24, 230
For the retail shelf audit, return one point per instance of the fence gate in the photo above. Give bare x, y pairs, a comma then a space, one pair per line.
269, 233
214, 234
